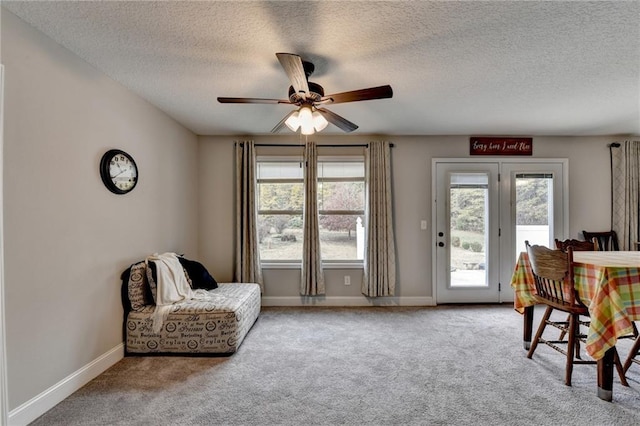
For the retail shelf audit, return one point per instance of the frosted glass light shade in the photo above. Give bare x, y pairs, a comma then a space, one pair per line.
319, 122
306, 121
293, 122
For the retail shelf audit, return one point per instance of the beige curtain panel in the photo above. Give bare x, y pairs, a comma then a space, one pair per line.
625, 185
379, 278
312, 283
247, 250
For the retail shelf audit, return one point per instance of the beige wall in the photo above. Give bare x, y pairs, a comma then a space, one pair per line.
67, 237
411, 160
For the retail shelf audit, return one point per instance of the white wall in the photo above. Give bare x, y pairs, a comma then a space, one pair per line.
67, 237
411, 161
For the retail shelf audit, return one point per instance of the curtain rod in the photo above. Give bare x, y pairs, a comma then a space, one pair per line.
318, 145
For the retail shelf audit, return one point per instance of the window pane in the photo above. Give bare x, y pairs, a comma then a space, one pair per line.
341, 237
534, 208
468, 208
280, 196
341, 196
280, 237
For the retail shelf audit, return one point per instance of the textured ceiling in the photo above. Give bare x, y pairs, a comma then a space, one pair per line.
456, 68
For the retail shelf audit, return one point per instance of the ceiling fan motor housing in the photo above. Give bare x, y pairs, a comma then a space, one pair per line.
316, 92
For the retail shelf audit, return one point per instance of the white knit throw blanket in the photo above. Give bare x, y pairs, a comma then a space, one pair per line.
171, 286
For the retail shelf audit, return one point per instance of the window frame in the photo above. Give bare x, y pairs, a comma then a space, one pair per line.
296, 263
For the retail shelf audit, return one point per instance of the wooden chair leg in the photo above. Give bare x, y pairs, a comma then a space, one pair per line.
571, 349
620, 369
577, 338
543, 324
632, 354
578, 353
564, 333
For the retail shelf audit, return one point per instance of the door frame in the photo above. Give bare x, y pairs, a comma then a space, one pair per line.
506, 294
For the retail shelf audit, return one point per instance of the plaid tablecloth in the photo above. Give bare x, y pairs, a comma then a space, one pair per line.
605, 282
523, 284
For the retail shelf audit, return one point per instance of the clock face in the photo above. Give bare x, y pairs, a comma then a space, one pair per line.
118, 171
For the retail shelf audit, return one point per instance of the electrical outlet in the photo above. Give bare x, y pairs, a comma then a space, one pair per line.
347, 280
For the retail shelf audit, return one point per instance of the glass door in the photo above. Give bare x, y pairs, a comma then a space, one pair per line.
536, 211
467, 232
483, 212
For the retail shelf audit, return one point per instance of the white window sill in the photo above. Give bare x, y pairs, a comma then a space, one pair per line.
325, 265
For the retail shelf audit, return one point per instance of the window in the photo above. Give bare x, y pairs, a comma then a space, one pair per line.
280, 202
341, 209
340, 204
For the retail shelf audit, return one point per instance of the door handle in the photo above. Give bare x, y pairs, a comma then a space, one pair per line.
440, 244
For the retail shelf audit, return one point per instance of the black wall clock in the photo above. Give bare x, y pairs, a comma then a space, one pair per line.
118, 171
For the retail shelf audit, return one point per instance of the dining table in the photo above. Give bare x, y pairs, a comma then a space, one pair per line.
608, 283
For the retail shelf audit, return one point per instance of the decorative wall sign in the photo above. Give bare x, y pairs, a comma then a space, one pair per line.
500, 146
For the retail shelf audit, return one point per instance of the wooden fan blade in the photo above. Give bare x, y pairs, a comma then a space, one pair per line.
292, 65
252, 101
337, 120
380, 92
281, 124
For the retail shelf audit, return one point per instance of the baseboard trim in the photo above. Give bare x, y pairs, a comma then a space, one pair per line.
40, 404
347, 301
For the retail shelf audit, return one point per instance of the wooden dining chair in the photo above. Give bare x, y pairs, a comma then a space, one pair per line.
603, 241
576, 245
555, 288
579, 245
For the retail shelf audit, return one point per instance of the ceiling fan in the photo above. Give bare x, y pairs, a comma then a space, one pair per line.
310, 98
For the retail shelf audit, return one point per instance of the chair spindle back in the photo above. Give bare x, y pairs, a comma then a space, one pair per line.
576, 245
603, 241
553, 274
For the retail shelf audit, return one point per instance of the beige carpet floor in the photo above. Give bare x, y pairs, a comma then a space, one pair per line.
446, 365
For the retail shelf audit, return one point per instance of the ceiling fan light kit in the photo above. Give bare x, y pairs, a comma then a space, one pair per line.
309, 96
308, 122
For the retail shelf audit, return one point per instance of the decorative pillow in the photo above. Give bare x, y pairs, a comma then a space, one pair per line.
200, 277
138, 287
152, 279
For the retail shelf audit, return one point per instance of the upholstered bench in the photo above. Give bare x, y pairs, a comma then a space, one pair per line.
215, 326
